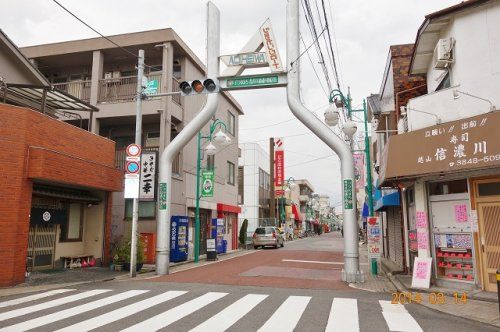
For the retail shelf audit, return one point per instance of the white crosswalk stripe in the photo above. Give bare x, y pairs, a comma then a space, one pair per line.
33, 297
230, 315
284, 315
288, 315
170, 316
60, 315
398, 318
50, 304
343, 316
121, 313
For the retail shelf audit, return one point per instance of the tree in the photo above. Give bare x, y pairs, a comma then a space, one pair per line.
243, 232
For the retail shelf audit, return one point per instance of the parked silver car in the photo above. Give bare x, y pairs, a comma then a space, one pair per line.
268, 236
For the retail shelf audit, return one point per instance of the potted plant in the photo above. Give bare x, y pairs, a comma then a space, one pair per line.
139, 257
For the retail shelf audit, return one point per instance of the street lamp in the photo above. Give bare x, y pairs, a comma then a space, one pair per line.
350, 128
219, 138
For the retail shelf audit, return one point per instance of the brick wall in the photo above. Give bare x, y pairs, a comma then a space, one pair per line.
23, 131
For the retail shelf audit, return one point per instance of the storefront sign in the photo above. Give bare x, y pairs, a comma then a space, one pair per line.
348, 194
273, 56
207, 183
461, 213
359, 174
279, 162
163, 196
148, 176
374, 237
251, 59
421, 273
466, 144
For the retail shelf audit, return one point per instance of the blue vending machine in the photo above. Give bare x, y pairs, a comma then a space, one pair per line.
218, 234
179, 238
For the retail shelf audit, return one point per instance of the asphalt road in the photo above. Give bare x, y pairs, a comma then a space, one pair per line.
199, 304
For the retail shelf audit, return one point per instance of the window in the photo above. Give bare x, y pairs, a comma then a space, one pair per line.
445, 82
72, 230
448, 187
146, 209
489, 189
230, 173
211, 162
231, 122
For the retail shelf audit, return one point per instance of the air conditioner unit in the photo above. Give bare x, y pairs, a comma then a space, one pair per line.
108, 75
442, 56
152, 139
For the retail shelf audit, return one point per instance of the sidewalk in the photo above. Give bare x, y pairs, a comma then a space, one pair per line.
42, 281
480, 306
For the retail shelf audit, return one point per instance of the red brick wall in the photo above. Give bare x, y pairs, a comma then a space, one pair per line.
21, 128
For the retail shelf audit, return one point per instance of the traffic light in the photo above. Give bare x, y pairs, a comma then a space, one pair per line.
189, 88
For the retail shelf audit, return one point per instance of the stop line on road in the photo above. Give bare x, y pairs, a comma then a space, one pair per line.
343, 314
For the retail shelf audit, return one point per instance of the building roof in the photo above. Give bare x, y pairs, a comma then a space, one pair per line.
130, 41
373, 103
428, 33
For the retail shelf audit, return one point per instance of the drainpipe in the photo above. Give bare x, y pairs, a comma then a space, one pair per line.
351, 272
182, 139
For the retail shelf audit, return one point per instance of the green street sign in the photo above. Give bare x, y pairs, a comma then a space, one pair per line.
207, 183
348, 194
151, 88
274, 80
163, 195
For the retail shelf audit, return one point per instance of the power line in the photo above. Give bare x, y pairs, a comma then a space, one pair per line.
314, 68
301, 54
100, 34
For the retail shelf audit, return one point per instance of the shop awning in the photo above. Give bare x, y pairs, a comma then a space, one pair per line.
366, 211
296, 213
65, 193
467, 144
385, 201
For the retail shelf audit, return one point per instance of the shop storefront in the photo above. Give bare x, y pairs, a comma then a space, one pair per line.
451, 198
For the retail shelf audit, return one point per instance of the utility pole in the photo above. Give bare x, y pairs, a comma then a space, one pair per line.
272, 198
138, 141
351, 272
183, 138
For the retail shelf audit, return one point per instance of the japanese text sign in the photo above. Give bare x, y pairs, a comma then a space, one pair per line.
421, 272
421, 219
374, 237
461, 213
148, 176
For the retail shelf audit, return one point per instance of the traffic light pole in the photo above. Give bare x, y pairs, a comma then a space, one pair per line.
183, 138
138, 141
351, 272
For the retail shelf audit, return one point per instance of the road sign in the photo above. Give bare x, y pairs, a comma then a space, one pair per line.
251, 59
131, 188
133, 150
207, 183
253, 81
163, 196
348, 194
151, 87
132, 167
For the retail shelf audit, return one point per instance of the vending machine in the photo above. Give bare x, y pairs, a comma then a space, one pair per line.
179, 238
218, 234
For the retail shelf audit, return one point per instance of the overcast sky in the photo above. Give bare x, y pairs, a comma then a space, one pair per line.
363, 31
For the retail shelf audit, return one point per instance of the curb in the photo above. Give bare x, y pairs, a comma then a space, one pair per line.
401, 288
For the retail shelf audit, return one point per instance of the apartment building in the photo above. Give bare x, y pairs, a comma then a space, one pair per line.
104, 75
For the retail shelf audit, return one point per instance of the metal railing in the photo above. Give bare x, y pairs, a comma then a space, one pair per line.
175, 88
78, 89
117, 89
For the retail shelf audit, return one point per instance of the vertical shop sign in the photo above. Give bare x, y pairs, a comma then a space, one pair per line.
163, 196
148, 176
359, 174
422, 233
374, 234
348, 194
279, 162
207, 183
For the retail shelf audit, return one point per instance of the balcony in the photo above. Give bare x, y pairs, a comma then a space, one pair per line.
425, 111
121, 154
78, 89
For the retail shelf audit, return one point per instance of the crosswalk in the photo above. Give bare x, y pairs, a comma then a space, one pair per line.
152, 310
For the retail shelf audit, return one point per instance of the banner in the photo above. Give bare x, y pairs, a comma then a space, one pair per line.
279, 163
147, 187
374, 234
207, 183
359, 174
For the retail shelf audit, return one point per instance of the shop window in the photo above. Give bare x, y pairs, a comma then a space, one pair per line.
448, 187
72, 229
230, 173
489, 189
146, 209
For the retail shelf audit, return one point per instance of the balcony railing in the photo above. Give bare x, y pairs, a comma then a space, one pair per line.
175, 88
121, 154
79, 89
117, 89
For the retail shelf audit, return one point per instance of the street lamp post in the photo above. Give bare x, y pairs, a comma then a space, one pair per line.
347, 103
219, 137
